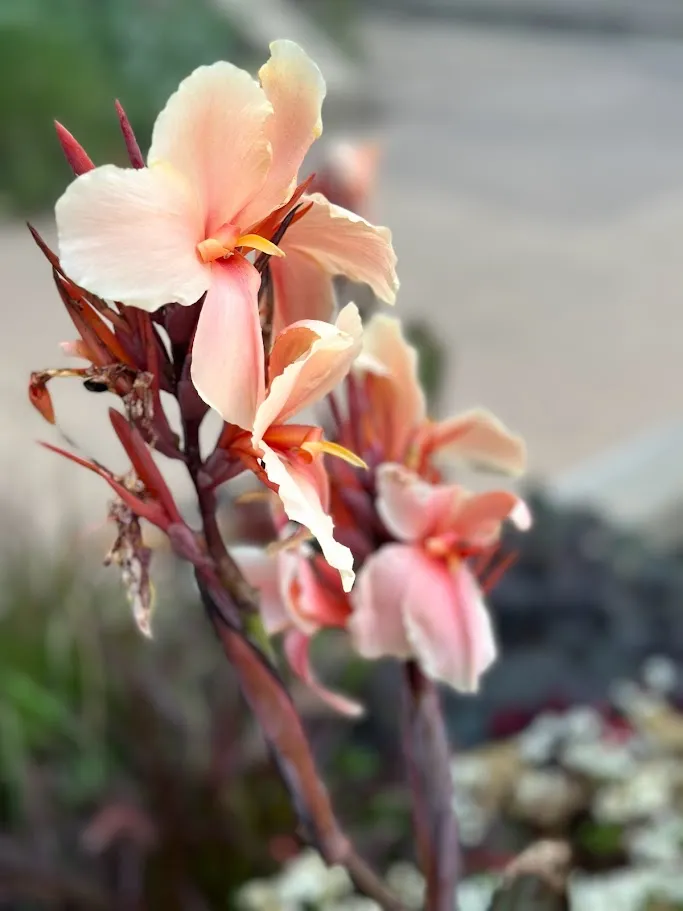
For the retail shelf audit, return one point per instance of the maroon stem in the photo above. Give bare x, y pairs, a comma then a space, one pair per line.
428, 760
269, 700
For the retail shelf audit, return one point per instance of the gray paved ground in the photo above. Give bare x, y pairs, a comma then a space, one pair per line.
534, 182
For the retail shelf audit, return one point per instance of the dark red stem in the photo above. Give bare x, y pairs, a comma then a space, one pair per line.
427, 754
267, 695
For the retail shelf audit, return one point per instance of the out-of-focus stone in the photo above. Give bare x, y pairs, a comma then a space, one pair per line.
651, 790
547, 798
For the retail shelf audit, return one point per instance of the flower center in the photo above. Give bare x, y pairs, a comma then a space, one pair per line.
228, 238
446, 548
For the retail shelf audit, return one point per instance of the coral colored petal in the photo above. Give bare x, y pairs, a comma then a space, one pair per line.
448, 624
376, 626
387, 354
227, 352
213, 130
130, 235
301, 499
295, 87
477, 436
312, 604
411, 508
303, 290
345, 244
263, 572
315, 372
479, 518
297, 646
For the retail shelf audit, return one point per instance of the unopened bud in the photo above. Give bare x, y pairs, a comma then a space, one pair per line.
78, 159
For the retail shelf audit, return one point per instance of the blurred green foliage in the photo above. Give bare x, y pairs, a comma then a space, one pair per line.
118, 753
112, 748
69, 59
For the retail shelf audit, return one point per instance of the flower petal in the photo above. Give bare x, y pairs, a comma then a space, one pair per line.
312, 604
227, 352
394, 390
411, 508
303, 290
296, 648
448, 624
263, 572
213, 130
478, 519
477, 436
130, 235
306, 376
295, 87
345, 244
376, 626
302, 501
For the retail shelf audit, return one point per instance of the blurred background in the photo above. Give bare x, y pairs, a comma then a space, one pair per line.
530, 165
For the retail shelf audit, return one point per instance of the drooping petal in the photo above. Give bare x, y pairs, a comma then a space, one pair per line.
301, 499
411, 508
395, 393
295, 87
478, 518
309, 370
346, 244
227, 352
476, 436
311, 603
213, 130
303, 290
263, 572
376, 625
130, 235
297, 646
447, 623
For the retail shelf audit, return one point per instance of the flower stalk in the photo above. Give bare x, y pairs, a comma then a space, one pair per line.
427, 757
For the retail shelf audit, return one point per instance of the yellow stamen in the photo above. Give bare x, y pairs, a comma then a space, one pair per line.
256, 242
333, 449
210, 250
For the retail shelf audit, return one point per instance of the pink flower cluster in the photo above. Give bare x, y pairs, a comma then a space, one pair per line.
417, 541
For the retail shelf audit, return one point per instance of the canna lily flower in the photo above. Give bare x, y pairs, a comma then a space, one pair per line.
396, 415
223, 162
417, 598
299, 595
307, 361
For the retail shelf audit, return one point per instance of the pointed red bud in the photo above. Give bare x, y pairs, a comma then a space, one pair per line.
134, 153
78, 159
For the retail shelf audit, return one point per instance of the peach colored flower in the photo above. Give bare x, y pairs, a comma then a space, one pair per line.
224, 157
396, 416
417, 598
299, 595
308, 359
